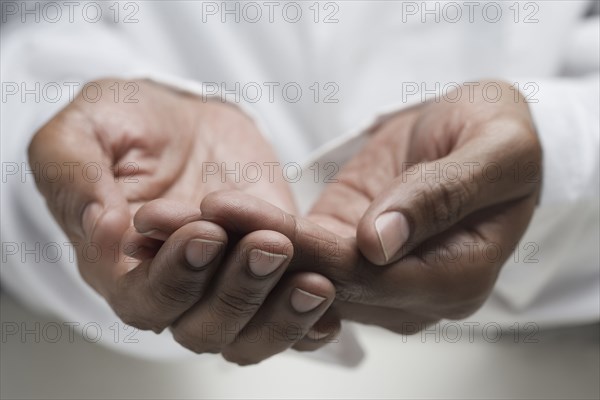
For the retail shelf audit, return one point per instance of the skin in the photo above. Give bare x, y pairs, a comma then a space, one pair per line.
461, 230
338, 248
157, 148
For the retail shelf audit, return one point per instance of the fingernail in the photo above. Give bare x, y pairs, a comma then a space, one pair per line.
392, 230
302, 301
200, 252
89, 218
155, 234
262, 263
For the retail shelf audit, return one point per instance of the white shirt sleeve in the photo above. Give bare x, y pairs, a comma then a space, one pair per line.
553, 276
566, 112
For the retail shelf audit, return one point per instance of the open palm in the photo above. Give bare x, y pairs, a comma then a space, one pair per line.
160, 144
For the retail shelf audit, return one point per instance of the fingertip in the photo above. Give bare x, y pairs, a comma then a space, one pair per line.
311, 292
203, 244
204, 230
155, 234
380, 239
138, 246
217, 198
270, 242
159, 218
199, 253
219, 205
368, 242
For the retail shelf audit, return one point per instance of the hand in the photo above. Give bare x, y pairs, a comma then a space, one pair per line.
444, 189
455, 184
154, 148
246, 308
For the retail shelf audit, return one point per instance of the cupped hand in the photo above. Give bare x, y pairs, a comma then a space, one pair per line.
420, 221
119, 154
247, 307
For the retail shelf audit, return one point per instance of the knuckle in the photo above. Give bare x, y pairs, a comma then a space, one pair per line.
351, 273
175, 292
129, 310
236, 303
288, 332
132, 318
446, 201
177, 288
222, 200
296, 226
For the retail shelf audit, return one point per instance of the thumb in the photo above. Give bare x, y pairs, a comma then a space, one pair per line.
423, 202
73, 172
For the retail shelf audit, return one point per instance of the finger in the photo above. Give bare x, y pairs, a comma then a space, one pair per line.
315, 248
236, 293
430, 197
284, 319
451, 275
377, 162
155, 293
138, 246
153, 223
446, 277
402, 283
322, 333
158, 219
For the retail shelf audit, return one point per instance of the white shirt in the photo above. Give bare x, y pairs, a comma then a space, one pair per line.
367, 59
